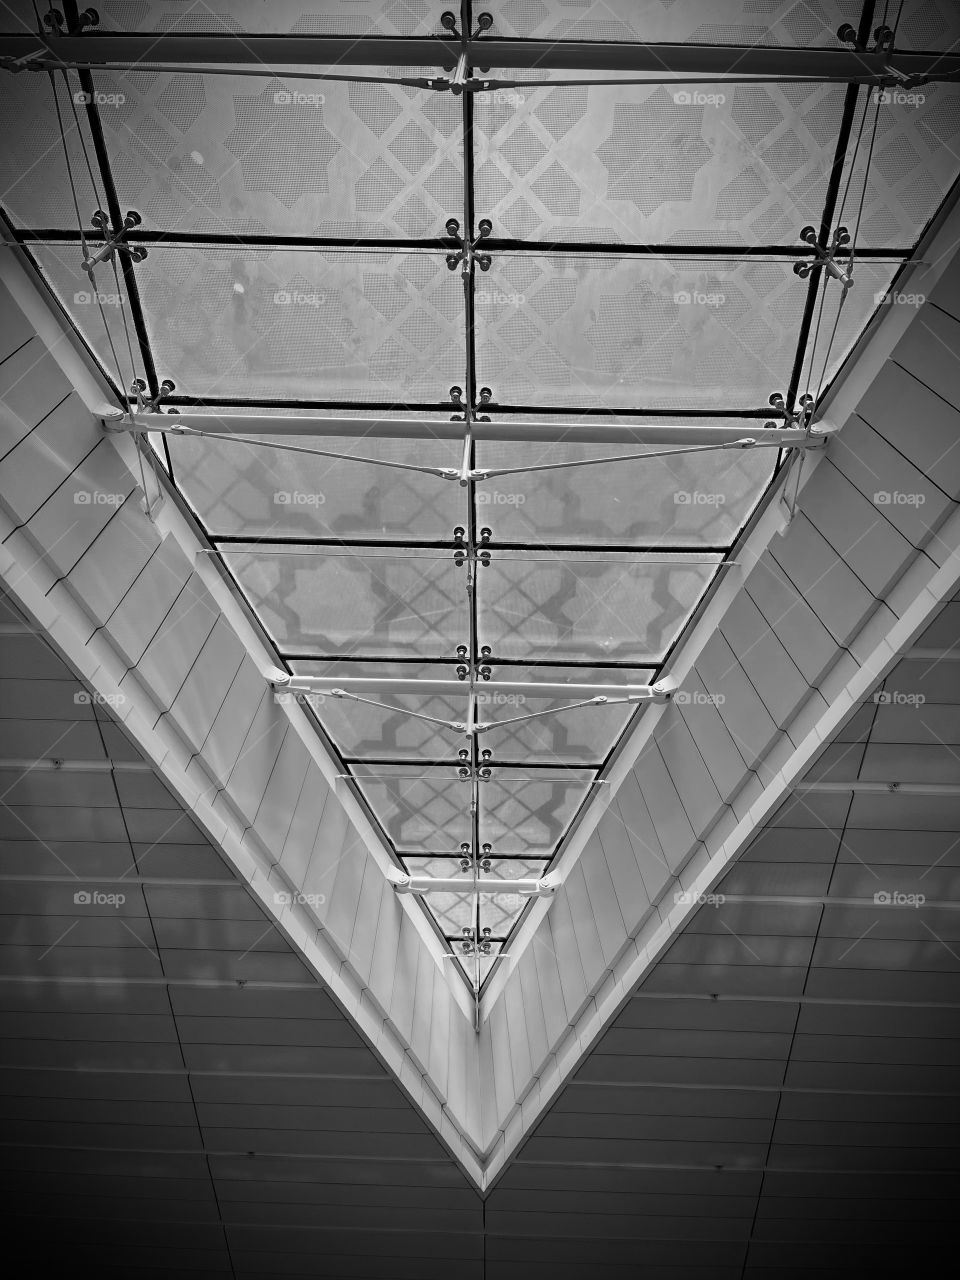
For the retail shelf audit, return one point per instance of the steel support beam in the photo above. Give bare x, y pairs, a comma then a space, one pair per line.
596, 432
467, 884
660, 692
659, 62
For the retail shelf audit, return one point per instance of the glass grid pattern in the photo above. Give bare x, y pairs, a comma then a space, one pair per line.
642, 260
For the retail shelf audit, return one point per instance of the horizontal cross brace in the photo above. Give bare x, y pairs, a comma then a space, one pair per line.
596, 432
465, 884
659, 62
499, 690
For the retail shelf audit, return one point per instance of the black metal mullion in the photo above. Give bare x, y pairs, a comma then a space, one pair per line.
201, 239
829, 209
447, 544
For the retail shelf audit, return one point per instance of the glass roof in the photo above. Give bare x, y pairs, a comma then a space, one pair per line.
640, 267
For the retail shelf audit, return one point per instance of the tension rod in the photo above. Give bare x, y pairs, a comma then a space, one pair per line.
443, 473
748, 442
457, 725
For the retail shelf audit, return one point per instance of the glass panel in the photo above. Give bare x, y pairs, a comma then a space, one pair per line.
595, 606
719, 22
655, 164
306, 325
97, 308
239, 488
698, 499
418, 808
530, 814
872, 280
683, 333
916, 159
361, 730
285, 156
369, 601
34, 179
583, 736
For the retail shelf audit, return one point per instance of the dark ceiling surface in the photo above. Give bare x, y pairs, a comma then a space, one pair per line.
777, 1099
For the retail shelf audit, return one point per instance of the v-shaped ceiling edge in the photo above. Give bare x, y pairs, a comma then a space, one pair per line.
482, 1095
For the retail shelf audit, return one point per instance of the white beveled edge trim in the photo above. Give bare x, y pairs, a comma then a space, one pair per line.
933, 255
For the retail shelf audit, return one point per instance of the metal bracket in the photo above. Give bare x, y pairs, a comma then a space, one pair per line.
826, 258
484, 770
54, 20
883, 35
466, 668
138, 387
114, 241
468, 253
799, 417
463, 553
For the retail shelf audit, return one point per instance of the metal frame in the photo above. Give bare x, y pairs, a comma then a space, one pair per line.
658, 63
92, 48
